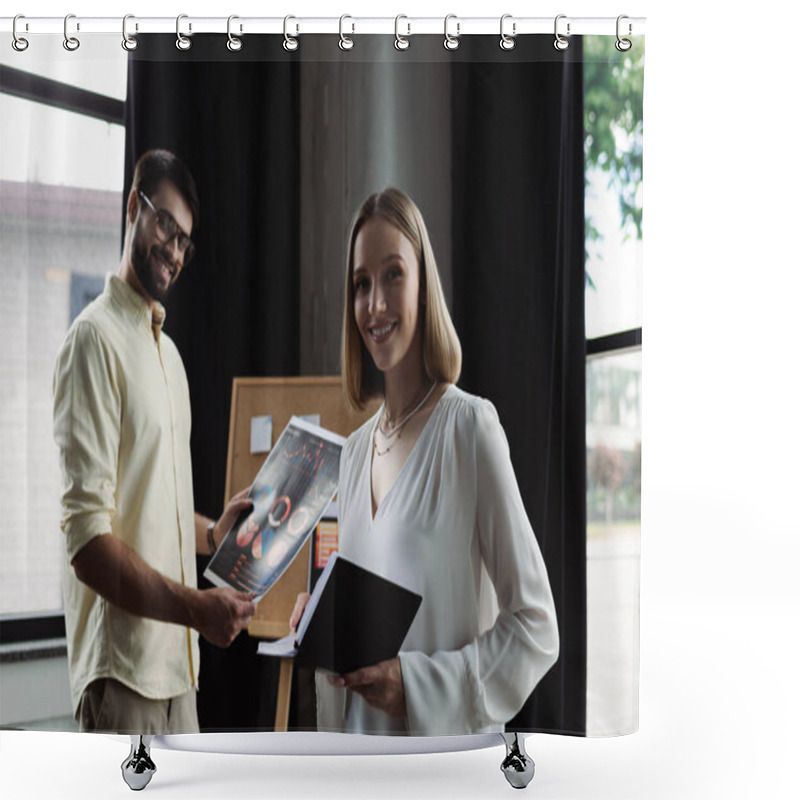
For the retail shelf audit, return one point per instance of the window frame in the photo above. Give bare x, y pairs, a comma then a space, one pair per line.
49, 92
615, 342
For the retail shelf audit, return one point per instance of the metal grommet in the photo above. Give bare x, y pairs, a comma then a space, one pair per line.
507, 42
128, 42
345, 42
289, 42
182, 42
234, 44
623, 45
400, 42
19, 43
70, 42
451, 42
560, 42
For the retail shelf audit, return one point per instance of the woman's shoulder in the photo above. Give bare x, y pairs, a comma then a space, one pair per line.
475, 427
468, 417
466, 407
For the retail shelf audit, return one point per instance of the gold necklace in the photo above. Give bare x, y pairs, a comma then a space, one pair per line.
398, 428
383, 452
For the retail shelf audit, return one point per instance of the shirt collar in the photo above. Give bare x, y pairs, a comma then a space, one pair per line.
132, 303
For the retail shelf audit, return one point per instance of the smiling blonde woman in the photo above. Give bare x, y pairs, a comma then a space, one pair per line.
428, 498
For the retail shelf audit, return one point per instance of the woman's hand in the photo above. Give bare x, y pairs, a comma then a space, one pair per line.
297, 611
381, 686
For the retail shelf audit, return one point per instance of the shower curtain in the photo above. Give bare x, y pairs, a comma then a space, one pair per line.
513, 156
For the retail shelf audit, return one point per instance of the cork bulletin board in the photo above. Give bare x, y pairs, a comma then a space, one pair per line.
280, 398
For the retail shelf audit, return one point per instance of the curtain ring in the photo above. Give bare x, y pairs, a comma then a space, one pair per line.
128, 42
182, 42
560, 42
234, 44
70, 42
623, 45
345, 42
289, 42
507, 42
18, 43
451, 42
400, 42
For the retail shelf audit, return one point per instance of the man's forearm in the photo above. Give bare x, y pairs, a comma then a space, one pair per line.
120, 576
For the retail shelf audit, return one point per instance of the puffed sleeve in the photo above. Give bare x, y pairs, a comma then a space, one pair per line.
86, 426
484, 684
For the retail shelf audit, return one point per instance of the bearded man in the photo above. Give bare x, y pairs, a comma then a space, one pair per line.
122, 423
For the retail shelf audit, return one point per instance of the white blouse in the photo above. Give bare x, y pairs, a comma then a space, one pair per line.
477, 647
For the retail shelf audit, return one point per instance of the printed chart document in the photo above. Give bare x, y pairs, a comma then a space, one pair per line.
354, 619
290, 493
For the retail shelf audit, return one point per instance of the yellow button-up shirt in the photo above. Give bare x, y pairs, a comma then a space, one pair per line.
122, 421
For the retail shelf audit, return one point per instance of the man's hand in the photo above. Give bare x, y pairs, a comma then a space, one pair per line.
381, 686
220, 615
236, 505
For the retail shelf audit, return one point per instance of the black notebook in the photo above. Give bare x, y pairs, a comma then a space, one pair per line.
354, 619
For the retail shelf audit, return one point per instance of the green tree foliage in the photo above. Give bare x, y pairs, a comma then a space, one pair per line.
612, 96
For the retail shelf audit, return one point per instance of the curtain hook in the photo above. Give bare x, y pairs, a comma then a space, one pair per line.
451, 42
400, 42
71, 43
289, 42
19, 43
560, 42
128, 42
234, 44
623, 45
345, 42
182, 42
507, 42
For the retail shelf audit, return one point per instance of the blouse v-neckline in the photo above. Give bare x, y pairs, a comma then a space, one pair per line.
415, 447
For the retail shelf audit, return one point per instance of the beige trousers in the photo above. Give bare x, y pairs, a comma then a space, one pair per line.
108, 706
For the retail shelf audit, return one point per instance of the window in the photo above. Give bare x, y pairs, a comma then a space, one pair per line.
613, 84
61, 176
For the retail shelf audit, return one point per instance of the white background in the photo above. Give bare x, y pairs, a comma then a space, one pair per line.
720, 604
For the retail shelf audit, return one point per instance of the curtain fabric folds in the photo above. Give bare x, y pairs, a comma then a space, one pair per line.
519, 309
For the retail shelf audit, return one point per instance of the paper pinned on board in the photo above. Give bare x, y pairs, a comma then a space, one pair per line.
261, 434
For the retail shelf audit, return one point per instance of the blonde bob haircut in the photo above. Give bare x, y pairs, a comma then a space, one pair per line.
441, 350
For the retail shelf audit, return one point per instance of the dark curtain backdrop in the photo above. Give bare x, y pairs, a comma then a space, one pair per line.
518, 305
518, 284
235, 309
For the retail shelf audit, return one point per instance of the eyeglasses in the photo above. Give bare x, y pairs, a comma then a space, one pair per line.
170, 230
